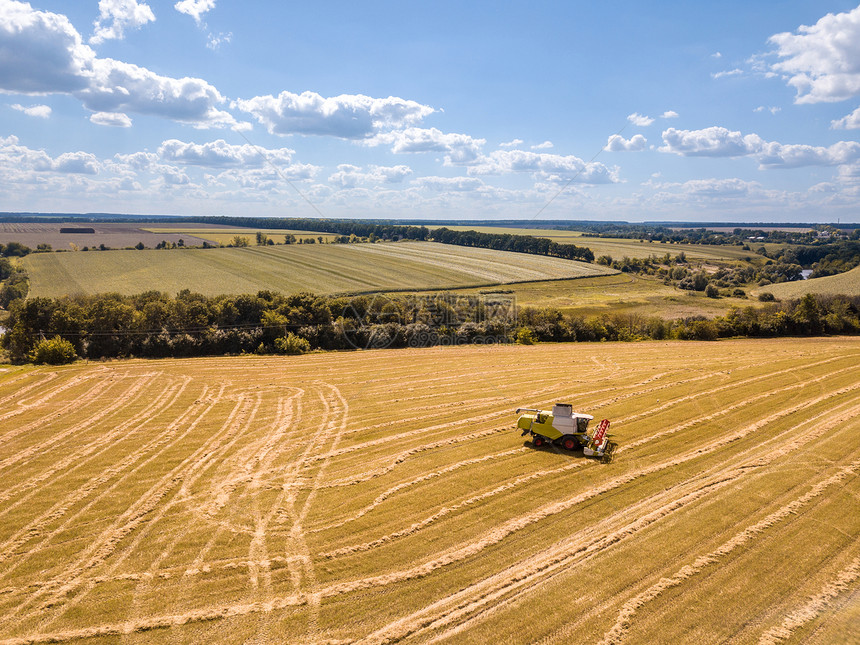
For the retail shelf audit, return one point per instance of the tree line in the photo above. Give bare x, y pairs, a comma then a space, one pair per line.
156, 325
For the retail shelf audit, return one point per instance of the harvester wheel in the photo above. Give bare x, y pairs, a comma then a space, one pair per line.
538, 441
569, 443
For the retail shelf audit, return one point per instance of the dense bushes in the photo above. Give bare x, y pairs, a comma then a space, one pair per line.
156, 325
56, 351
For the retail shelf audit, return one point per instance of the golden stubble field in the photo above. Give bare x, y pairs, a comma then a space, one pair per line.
384, 496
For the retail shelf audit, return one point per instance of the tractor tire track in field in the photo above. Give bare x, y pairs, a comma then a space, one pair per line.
92, 419
844, 582
270, 483
413, 482
617, 633
62, 507
471, 501
400, 458
77, 460
34, 528
102, 546
404, 627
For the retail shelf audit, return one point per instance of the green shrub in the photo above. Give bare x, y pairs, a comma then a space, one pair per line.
766, 297
56, 351
292, 344
526, 336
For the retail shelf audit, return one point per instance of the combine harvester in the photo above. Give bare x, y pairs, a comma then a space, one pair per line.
567, 429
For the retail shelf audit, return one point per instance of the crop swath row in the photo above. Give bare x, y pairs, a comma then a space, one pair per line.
385, 497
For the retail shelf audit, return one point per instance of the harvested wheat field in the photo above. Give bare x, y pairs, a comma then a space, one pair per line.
385, 496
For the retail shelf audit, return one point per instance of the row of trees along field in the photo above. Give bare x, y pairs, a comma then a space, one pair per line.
156, 325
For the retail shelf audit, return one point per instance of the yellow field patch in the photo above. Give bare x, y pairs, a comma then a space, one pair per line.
385, 496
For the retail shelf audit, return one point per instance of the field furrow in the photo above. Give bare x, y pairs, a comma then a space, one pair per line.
385, 497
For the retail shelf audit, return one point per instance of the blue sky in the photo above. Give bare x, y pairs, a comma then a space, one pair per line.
729, 111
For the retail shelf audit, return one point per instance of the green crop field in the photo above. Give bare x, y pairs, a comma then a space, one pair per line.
847, 283
385, 496
617, 248
325, 268
621, 293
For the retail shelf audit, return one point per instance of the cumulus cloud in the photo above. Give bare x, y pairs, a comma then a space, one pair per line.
848, 122
721, 142
39, 111
822, 62
348, 116
459, 149
617, 143
549, 166
76, 162
511, 144
220, 154
117, 15
546, 145
710, 142
111, 119
669, 114
23, 159
42, 53
772, 110
194, 8
349, 176
640, 120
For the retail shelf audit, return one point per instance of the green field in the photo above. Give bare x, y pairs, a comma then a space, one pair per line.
617, 248
321, 268
847, 283
386, 497
622, 293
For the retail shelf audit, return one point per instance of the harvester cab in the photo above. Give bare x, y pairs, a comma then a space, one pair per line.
568, 429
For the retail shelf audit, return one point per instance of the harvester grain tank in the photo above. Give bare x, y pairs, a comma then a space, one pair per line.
568, 429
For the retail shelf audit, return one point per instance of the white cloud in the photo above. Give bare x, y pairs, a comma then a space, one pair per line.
348, 116
640, 120
728, 72
772, 110
220, 154
194, 8
710, 142
716, 55
42, 53
39, 111
848, 122
24, 159
76, 162
116, 15
617, 143
349, 176
720, 142
112, 119
511, 144
822, 61
449, 184
669, 114
548, 166
459, 149
546, 145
